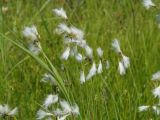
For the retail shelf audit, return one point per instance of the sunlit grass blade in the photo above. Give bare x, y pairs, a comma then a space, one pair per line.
15, 66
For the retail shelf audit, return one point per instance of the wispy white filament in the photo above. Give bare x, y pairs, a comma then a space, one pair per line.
62, 117
121, 69
100, 52
5, 110
75, 109
143, 108
66, 54
59, 112
76, 32
79, 42
156, 92
30, 33
60, 12
63, 28
89, 52
72, 31
42, 114
13, 112
148, 3
82, 77
92, 71
100, 70
156, 76
125, 61
79, 57
123, 65
65, 106
51, 99
116, 46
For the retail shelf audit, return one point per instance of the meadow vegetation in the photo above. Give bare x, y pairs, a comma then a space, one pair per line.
111, 93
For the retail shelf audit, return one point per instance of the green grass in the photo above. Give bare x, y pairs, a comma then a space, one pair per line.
108, 96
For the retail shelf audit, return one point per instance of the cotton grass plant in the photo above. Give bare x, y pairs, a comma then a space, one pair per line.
65, 110
85, 72
156, 93
73, 39
155, 77
7, 113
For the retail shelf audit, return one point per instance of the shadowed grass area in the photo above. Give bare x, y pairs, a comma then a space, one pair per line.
107, 96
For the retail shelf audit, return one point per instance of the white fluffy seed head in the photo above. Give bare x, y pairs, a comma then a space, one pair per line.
42, 114
34, 48
116, 46
88, 52
66, 54
30, 33
62, 117
13, 112
148, 3
82, 43
77, 33
125, 61
121, 68
58, 112
156, 92
65, 106
123, 65
100, 52
75, 109
5, 110
92, 71
63, 28
82, 77
60, 12
156, 76
143, 108
51, 99
79, 42
99, 70
79, 57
